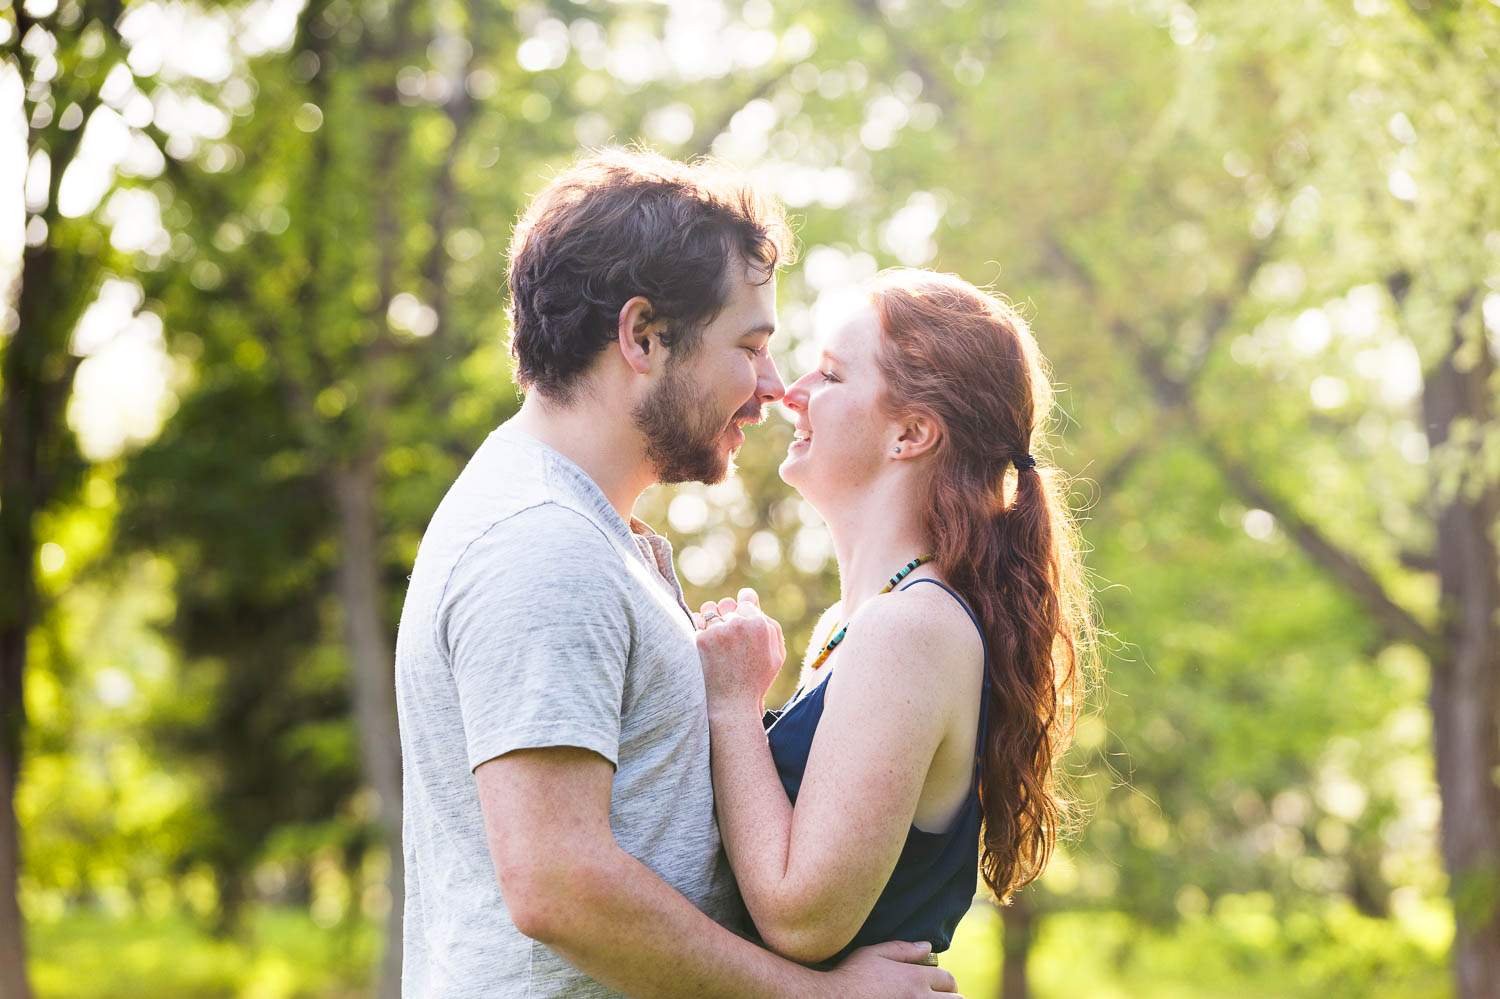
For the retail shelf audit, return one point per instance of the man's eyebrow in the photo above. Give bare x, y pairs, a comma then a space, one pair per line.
768, 329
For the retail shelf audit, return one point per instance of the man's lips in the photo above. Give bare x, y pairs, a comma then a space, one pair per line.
744, 418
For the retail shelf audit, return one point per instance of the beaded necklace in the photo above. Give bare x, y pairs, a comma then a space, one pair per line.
833, 643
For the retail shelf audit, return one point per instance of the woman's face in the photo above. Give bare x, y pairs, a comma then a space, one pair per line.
842, 433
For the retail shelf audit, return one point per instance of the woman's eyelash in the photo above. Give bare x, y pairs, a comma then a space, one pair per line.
828, 376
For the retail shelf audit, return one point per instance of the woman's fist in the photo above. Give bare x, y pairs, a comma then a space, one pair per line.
741, 650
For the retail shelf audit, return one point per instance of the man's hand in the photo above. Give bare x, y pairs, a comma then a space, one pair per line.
890, 971
741, 649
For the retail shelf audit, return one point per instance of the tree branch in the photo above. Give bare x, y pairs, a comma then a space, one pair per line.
1175, 395
706, 137
1395, 621
460, 112
1117, 471
934, 88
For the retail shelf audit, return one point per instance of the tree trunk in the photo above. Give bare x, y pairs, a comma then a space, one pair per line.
26, 414
1465, 694
372, 675
16, 564
1020, 931
13, 983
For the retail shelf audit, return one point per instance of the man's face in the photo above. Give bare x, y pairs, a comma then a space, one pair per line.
692, 420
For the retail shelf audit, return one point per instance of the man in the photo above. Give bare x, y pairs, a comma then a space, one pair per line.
545, 646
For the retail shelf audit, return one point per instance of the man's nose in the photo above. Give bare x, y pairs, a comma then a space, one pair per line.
769, 387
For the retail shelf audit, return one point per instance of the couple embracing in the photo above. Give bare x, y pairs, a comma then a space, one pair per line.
596, 800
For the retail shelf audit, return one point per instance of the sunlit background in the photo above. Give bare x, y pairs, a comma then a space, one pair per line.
254, 323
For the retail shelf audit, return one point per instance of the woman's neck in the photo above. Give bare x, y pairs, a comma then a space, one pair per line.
874, 535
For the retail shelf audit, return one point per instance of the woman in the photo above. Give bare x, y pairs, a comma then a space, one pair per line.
940, 689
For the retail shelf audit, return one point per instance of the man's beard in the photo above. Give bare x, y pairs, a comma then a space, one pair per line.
683, 431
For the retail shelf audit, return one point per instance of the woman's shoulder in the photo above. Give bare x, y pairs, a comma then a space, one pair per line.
920, 625
923, 609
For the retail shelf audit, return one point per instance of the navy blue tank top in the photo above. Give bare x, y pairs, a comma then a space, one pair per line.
937, 874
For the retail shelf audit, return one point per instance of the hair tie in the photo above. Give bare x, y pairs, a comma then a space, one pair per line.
1024, 461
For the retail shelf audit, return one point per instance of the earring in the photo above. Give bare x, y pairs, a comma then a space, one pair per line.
898, 449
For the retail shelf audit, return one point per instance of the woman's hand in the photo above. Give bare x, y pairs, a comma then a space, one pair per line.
741, 650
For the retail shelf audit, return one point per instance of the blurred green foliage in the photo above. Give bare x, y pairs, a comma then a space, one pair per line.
1244, 233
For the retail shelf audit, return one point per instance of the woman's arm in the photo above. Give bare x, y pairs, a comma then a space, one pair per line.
811, 875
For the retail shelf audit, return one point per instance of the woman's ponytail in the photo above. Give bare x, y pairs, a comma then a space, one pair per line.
1003, 537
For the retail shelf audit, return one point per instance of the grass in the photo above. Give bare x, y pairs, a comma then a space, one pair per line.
280, 954
1237, 950
1337, 954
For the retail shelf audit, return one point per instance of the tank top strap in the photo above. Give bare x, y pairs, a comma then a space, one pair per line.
984, 700
956, 596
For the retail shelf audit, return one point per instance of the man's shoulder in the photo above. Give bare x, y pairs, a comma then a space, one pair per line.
502, 478
547, 532
507, 484
504, 516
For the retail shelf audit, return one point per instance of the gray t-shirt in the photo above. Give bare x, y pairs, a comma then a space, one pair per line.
536, 616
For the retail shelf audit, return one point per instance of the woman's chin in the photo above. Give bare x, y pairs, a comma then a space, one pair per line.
791, 469
794, 471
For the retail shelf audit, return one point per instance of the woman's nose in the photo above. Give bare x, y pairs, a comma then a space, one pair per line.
796, 395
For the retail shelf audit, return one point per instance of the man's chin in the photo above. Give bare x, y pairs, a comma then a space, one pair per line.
709, 468
723, 466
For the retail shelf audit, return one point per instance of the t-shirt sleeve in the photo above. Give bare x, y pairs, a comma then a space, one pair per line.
537, 626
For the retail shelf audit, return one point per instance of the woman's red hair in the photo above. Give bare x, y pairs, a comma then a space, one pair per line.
1002, 537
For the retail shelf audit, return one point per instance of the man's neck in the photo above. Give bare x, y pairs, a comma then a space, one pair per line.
605, 445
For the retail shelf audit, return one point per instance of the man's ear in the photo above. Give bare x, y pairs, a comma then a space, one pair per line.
639, 335
918, 434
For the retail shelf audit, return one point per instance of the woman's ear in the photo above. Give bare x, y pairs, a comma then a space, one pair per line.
918, 434
638, 335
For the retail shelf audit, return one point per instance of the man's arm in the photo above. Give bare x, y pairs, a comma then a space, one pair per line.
569, 885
